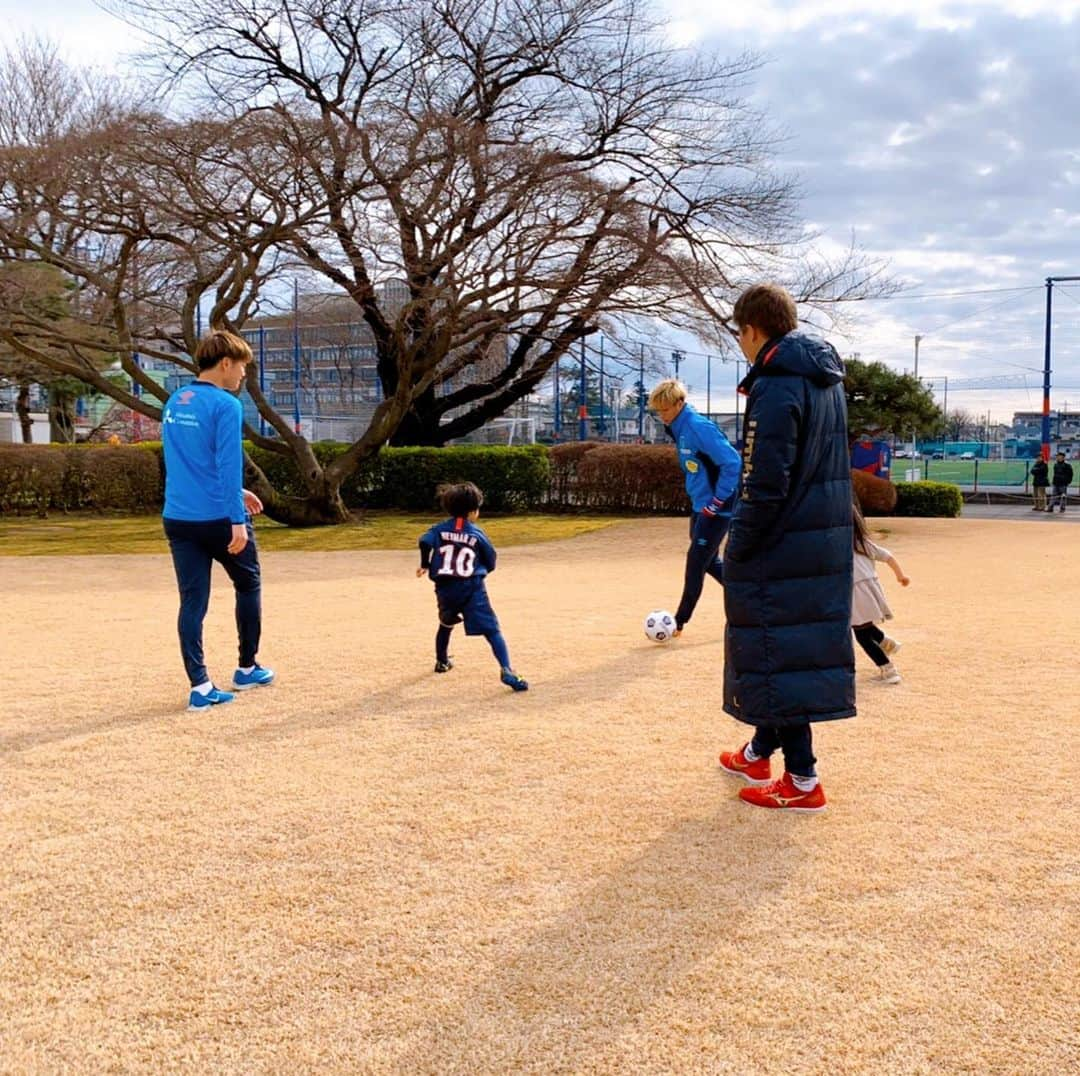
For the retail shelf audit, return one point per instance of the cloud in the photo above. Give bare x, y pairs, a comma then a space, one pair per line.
945, 139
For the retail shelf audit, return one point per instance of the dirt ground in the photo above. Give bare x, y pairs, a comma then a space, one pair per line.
368, 868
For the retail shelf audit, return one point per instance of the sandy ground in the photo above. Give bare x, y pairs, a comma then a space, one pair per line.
370, 868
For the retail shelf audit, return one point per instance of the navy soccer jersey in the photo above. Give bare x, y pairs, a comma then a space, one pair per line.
455, 550
458, 556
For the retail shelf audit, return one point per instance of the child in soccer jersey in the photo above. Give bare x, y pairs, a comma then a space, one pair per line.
868, 605
457, 555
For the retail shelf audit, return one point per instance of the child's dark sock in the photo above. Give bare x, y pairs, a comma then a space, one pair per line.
442, 644
499, 649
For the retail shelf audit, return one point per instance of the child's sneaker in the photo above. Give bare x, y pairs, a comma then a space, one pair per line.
758, 772
511, 679
785, 796
198, 701
444, 666
890, 646
258, 677
889, 674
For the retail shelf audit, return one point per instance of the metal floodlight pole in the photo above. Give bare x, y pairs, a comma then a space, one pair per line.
641, 395
1050, 281
136, 391
583, 410
602, 425
917, 339
262, 374
558, 408
708, 384
738, 382
296, 356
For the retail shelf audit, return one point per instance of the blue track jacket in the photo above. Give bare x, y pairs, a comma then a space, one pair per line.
201, 433
708, 460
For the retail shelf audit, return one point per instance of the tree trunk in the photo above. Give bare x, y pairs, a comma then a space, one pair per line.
421, 425
61, 416
22, 409
322, 507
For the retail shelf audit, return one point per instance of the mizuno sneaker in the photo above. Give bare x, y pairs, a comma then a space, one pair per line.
198, 701
758, 772
511, 679
258, 677
784, 795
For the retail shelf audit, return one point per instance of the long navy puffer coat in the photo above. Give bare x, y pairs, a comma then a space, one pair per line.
787, 568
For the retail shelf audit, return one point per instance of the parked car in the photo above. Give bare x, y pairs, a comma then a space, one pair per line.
938, 456
967, 455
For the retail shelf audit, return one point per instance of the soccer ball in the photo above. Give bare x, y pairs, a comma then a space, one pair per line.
659, 625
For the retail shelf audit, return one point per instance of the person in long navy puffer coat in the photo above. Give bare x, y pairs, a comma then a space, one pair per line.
788, 658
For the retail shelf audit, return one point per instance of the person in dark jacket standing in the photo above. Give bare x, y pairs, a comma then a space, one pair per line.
1040, 479
1063, 476
206, 514
711, 467
788, 658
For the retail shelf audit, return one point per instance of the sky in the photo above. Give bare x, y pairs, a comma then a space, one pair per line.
942, 137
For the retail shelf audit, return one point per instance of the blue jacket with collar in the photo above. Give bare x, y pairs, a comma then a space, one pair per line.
708, 460
201, 437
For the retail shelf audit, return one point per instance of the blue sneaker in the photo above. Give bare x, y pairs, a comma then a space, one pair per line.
511, 679
198, 701
258, 677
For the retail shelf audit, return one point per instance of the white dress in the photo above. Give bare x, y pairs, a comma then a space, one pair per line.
868, 604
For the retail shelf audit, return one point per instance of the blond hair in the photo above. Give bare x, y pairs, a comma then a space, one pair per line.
667, 394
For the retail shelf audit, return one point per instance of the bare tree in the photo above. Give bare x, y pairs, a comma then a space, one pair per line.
526, 168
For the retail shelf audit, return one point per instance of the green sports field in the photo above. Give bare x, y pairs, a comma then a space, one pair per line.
962, 472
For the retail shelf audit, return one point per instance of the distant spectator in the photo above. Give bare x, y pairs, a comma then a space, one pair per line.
1040, 480
1063, 476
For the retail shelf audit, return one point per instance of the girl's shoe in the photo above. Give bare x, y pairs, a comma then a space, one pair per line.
889, 674
890, 646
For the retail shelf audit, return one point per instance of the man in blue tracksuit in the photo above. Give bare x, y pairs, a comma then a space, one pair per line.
712, 468
207, 511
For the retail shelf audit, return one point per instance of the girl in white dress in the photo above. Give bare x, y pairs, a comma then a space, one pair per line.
868, 605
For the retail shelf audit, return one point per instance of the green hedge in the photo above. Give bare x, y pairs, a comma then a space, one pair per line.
928, 499
37, 478
585, 475
617, 478
512, 478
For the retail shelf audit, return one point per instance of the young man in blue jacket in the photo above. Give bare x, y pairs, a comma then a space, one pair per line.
788, 659
207, 511
711, 467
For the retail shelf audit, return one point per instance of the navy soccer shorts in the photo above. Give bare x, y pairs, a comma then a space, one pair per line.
469, 604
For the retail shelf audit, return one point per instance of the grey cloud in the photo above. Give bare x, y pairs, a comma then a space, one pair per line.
1001, 95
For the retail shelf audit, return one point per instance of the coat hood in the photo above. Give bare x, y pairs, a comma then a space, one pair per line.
800, 355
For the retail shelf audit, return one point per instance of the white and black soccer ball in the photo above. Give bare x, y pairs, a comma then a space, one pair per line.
659, 625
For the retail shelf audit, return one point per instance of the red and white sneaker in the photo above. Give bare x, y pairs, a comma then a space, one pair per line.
758, 772
784, 795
